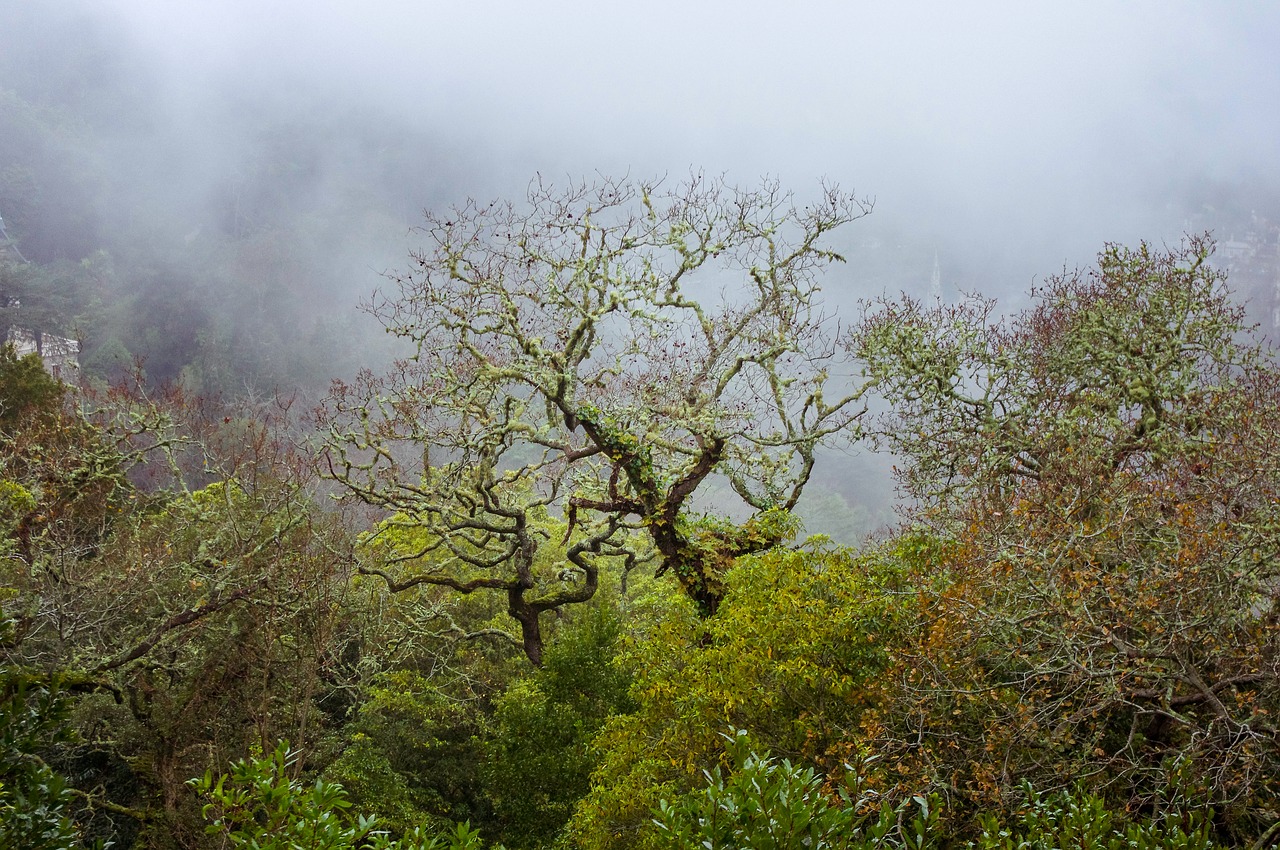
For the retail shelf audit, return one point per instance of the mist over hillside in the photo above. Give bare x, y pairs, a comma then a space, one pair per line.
210, 188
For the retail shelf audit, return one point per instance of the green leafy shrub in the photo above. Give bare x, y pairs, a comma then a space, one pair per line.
259, 806
1079, 819
766, 804
35, 802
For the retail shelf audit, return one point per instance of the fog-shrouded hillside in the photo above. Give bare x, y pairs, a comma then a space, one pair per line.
210, 190
303, 142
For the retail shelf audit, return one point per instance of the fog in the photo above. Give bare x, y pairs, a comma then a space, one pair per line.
248, 157
975, 126
1054, 125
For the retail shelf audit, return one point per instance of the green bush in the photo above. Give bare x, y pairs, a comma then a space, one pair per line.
258, 806
1080, 819
35, 802
765, 804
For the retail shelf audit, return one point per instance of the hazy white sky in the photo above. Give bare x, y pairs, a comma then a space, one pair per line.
1032, 117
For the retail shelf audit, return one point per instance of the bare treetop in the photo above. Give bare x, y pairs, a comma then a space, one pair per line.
603, 349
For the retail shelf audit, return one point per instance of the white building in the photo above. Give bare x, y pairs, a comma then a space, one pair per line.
61, 356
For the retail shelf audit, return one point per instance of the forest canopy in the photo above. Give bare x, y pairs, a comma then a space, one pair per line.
232, 623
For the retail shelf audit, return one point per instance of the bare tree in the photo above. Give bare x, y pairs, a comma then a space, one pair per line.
599, 353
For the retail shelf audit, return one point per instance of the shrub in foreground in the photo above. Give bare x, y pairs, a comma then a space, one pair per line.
259, 805
767, 804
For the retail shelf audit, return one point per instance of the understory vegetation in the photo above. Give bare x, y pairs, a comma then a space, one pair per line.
543, 583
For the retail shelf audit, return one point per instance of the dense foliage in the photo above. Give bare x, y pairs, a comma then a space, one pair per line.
36, 804
1103, 466
258, 805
